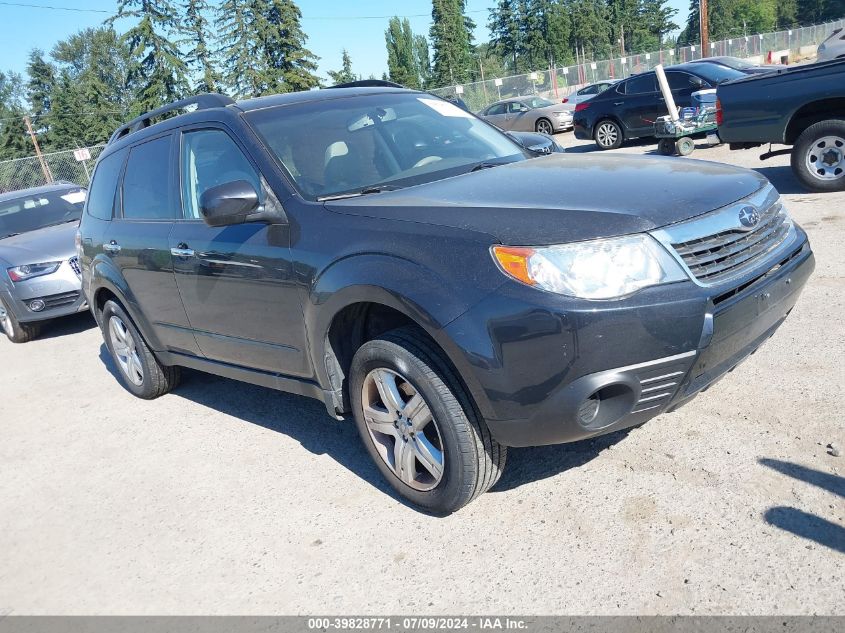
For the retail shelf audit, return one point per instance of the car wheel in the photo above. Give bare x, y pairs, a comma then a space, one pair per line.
608, 135
544, 126
818, 157
419, 425
139, 370
16, 331
666, 146
684, 146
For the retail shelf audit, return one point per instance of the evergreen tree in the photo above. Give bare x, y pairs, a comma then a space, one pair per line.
656, 17
41, 82
199, 59
423, 60
591, 33
238, 47
401, 60
158, 70
505, 32
345, 74
451, 41
14, 141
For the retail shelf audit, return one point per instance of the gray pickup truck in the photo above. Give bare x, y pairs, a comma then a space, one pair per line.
802, 106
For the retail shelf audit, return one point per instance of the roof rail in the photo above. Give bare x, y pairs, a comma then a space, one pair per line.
202, 101
368, 83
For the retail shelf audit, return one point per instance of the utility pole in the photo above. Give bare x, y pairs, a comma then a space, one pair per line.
44, 168
704, 24
622, 39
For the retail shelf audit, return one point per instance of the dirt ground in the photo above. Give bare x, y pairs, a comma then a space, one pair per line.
224, 498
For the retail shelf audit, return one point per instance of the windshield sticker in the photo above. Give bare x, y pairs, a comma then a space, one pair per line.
74, 197
445, 108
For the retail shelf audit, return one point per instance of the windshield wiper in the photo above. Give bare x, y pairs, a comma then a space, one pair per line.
484, 165
362, 192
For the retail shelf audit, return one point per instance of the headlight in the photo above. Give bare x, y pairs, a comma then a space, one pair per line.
562, 114
597, 269
28, 271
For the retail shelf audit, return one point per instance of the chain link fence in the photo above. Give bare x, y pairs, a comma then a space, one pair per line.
21, 173
556, 83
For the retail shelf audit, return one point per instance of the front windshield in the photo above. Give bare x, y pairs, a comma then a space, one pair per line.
36, 211
334, 146
716, 74
537, 102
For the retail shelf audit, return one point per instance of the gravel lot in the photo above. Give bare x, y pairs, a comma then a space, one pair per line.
225, 498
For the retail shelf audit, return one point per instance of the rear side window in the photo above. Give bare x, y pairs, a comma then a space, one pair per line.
104, 185
147, 185
641, 85
498, 108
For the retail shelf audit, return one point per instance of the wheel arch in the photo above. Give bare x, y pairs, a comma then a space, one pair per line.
810, 113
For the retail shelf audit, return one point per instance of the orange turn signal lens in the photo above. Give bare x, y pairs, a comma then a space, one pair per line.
514, 261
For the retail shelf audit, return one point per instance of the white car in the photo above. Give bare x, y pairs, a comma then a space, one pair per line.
833, 47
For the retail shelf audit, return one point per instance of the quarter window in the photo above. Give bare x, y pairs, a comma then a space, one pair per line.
147, 190
211, 158
104, 185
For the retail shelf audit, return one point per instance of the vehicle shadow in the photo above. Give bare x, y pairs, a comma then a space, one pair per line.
527, 465
306, 421
68, 326
298, 417
804, 524
782, 178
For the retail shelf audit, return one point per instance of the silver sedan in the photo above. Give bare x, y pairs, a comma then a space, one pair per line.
529, 114
39, 271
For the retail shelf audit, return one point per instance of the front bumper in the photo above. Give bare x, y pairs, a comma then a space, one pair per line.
651, 354
562, 123
61, 293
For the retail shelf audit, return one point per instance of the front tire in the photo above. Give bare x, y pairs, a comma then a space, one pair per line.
14, 330
419, 425
139, 370
818, 156
608, 135
544, 126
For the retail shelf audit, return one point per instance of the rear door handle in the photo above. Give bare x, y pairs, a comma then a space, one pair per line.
111, 247
182, 250
619, 103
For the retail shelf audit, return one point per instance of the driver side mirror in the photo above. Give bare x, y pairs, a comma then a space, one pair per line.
233, 202
523, 108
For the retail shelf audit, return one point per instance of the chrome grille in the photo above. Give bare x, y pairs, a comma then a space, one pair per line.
717, 247
74, 263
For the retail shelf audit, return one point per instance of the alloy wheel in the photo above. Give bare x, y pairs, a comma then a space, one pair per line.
607, 134
402, 429
826, 158
126, 351
5, 321
544, 127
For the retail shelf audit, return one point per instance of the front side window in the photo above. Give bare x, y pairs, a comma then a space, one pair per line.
39, 210
346, 145
680, 81
515, 106
147, 184
211, 158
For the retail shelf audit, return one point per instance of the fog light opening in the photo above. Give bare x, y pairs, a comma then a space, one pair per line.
606, 406
589, 409
36, 305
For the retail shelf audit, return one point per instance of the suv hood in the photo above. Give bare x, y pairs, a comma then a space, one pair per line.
565, 197
52, 243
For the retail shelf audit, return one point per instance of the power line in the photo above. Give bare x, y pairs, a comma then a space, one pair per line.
53, 8
304, 17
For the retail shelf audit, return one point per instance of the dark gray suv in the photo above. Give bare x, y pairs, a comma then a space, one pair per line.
407, 263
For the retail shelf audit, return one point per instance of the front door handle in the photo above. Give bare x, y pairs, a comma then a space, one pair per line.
111, 247
619, 103
182, 250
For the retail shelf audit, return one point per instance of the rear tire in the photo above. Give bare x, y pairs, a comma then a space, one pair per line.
14, 330
403, 364
818, 156
139, 370
608, 134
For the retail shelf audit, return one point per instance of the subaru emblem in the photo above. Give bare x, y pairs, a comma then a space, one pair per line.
749, 217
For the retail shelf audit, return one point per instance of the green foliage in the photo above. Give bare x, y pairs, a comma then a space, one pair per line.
263, 48
199, 58
157, 70
451, 42
14, 141
345, 74
408, 61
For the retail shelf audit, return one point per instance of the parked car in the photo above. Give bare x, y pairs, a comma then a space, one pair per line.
833, 47
801, 106
528, 114
39, 271
630, 108
452, 294
587, 92
736, 63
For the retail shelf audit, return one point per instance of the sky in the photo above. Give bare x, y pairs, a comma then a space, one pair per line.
331, 25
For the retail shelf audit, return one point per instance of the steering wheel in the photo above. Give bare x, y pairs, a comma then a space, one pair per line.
427, 161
